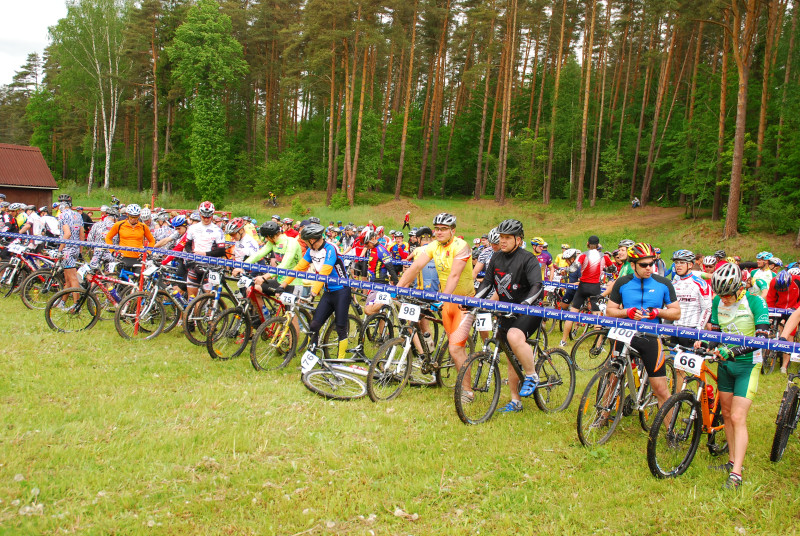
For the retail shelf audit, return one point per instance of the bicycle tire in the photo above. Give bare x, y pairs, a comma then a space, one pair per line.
590, 350
302, 336
274, 344
173, 311
64, 320
376, 330
603, 394
649, 407
555, 369
229, 334
199, 314
783, 424
11, 283
335, 385
329, 343
768, 365
389, 371
132, 324
664, 457
717, 439
446, 372
485, 386
39, 287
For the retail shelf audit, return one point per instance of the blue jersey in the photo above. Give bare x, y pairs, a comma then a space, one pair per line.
326, 261
654, 292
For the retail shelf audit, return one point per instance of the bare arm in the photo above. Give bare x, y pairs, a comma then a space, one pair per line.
411, 272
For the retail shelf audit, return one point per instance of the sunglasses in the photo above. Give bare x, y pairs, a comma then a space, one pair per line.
645, 264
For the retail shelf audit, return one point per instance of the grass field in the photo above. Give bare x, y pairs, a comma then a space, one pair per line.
104, 436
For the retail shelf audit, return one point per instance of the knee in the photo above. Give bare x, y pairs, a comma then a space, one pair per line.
738, 417
515, 336
314, 326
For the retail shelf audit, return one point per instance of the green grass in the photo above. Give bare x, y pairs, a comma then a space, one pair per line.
153, 437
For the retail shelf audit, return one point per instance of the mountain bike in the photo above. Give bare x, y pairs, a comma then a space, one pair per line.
605, 401
40, 285
142, 314
591, 349
772, 357
482, 373
276, 341
22, 263
337, 379
675, 433
788, 416
204, 307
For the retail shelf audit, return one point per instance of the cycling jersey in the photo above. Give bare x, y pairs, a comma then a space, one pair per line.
399, 252
443, 256
515, 276
204, 237
626, 269
132, 236
50, 226
545, 261
760, 280
73, 220
592, 263
741, 318
380, 261
654, 292
245, 247
485, 256
160, 233
559, 261
694, 295
326, 261
785, 299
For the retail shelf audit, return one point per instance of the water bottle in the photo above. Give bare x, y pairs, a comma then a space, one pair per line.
710, 395
265, 311
359, 368
176, 294
115, 295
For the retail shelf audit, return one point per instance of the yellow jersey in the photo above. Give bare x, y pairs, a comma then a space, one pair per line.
443, 257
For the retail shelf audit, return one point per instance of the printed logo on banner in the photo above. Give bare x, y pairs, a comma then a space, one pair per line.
473, 302
781, 345
713, 336
735, 339
517, 308
504, 307
686, 332
429, 294
607, 322
667, 329
458, 300
569, 315
647, 327
628, 324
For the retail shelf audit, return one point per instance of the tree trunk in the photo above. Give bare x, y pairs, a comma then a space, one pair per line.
787, 70
385, 120
624, 97
478, 177
154, 170
403, 137
334, 106
599, 133
511, 32
647, 78
716, 209
351, 189
551, 146
585, 120
94, 152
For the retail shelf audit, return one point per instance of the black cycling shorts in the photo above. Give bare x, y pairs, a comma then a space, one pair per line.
525, 323
651, 352
586, 290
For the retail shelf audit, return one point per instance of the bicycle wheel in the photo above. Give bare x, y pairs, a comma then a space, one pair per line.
649, 406
376, 330
39, 287
717, 440
302, 336
229, 334
11, 277
66, 316
601, 407
591, 350
446, 372
770, 358
329, 343
389, 370
484, 382
556, 381
334, 384
172, 310
784, 424
199, 314
273, 345
139, 317
674, 437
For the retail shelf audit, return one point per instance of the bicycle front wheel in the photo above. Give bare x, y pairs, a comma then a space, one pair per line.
65, 315
197, 316
389, 370
334, 384
377, 330
591, 350
771, 357
229, 334
446, 372
330, 338
477, 403
139, 317
674, 436
11, 277
784, 423
273, 345
172, 310
39, 287
601, 407
556, 381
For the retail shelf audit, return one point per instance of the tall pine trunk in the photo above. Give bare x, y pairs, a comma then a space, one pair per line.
551, 146
585, 120
404, 136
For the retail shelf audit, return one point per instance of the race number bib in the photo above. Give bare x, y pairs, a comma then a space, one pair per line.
688, 362
16, 248
83, 270
795, 357
288, 299
308, 361
409, 312
150, 271
244, 282
384, 298
623, 335
483, 322
214, 278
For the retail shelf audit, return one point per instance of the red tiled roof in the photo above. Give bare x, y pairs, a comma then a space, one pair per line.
24, 167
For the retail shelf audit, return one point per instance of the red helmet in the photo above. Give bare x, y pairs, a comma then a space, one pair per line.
235, 225
641, 250
206, 209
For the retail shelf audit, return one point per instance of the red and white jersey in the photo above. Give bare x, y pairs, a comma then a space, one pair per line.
205, 236
592, 263
694, 295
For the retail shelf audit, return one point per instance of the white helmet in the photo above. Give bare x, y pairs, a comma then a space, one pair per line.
104, 208
568, 254
145, 215
134, 210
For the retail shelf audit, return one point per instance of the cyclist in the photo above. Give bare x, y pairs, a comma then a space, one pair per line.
592, 263
572, 274
694, 297
709, 265
97, 235
379, 265
399, 251
284, 249
514, 276
625, 267
544, 258
207, 240
493, 238
560, 261
784, 293
646, 297
71, 225
428, 278
336, 300
132, 233
775, 264
451, 255
736, 311
762, 275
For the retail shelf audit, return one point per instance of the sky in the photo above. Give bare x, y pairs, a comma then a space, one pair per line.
23, 29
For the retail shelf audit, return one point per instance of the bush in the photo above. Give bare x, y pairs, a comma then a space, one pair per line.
297, 207
339, 201
290, 171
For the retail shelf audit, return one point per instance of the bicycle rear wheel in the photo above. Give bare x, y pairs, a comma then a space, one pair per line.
771, 357
139, 317
65, 315
229, 334
172, 310
601, 407
389, 370
334, 384
199, 314
329, 343
784, 424
674, 436
39, 287
11, 277
376, 330
591, 350
556, 381
717, 440
484, 381
273, 345
446, 372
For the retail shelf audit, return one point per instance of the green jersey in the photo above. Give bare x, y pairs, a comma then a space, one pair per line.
741, 318
286, 250
760, 280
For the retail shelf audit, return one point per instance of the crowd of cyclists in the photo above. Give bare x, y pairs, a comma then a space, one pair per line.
715, 292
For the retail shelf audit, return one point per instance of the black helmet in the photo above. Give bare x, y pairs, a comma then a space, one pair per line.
312, 231
720, 254
424, 231
269, 229
512, 227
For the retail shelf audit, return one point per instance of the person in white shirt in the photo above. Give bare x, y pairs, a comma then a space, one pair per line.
207, 239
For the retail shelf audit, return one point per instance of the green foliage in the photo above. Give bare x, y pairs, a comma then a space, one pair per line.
287, 173
339, 201
614, 169
297, 207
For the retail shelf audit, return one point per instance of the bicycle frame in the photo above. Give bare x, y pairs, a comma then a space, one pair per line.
623, 358
702, 396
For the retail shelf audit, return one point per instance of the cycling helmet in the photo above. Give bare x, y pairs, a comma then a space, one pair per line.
412, 232
206, 209
41, 209
626, 243
537, 241
510, 227
776, 261
444, 218
764, 256
493, 236
399, 233
269, 229
727, 279
709, 260
720, 254
640, 251
15, 206
235, 225
368, 235
424, 231
782, 281
313, 219
163, 216
177, 221
312, 231
194, 216
134, 210
794, 271
113, 212
288, 221
570, 253
104, 208
145, 215
276, 217
564, 246
392, 232
4, 204
683, 255
65, 198
379, 230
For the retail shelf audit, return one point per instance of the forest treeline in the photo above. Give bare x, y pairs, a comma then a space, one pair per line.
672, 102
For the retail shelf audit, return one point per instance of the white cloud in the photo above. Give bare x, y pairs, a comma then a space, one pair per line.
23, 29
